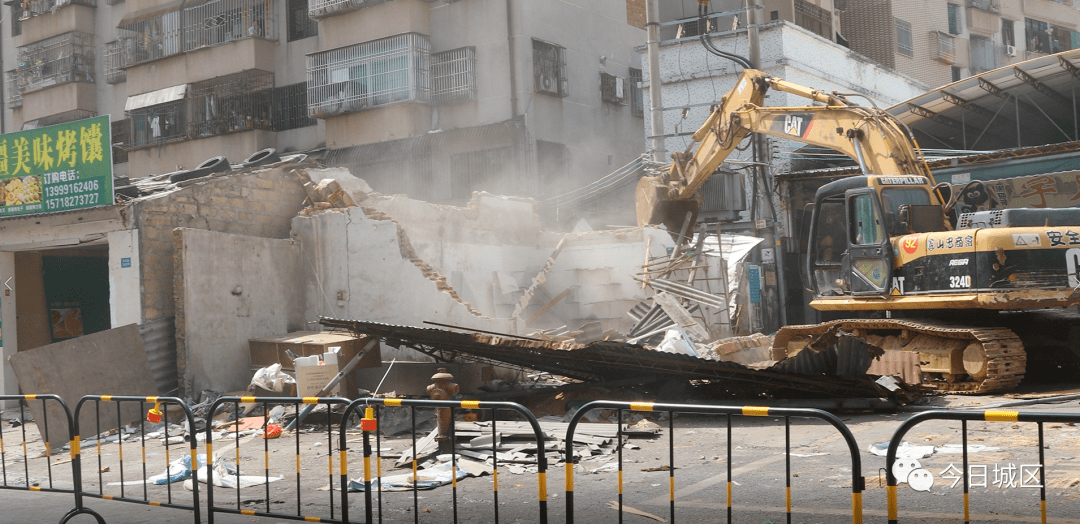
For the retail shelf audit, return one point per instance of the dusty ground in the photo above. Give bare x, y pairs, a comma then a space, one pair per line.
820, 475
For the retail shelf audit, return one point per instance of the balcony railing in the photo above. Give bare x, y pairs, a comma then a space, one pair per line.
57, 60
383, 72
28, 10
945, 45
453, 76
231, 104
114, 62
319, 9
222, 21
150, 39
14, 97
158, 124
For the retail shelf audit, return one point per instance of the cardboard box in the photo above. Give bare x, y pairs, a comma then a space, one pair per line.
313, 374
271, 350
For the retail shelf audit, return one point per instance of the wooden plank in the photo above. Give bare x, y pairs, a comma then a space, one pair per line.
680, 315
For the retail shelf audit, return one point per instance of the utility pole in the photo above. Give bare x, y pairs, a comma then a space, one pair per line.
762, 159
656, 102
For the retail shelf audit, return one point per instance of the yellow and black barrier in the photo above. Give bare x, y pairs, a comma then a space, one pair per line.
27, 485
857, 481
964, 417
158, 412
269, 510
369, 424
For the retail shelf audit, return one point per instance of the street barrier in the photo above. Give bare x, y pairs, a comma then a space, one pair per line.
964, 417
173, 472
9, 477
857, 481
372, 409
238, 478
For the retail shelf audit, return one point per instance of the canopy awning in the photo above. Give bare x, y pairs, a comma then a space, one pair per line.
153, 98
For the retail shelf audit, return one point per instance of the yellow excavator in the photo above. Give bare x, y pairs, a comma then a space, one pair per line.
883, 254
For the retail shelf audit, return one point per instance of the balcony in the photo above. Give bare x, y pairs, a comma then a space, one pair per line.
14, 97
55, 61
223, 21
943, 47
319, 9
231, 104
983, 17
379, 73
35, 8
145, 39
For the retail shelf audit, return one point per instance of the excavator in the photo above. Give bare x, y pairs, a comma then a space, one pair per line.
975, 299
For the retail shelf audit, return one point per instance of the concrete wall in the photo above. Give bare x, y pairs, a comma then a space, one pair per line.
202, 64
125, 291
58, 99
231, 288
260, 203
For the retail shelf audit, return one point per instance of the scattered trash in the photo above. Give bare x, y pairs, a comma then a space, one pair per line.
971, 448
428, 478
905, 450
627, 509
273, 431
271, 378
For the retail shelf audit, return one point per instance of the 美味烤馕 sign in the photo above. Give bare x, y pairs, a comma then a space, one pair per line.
56, 168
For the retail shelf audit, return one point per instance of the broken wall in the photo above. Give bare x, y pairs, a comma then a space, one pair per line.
230, 288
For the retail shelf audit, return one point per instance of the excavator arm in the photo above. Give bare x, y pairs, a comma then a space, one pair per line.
871, 137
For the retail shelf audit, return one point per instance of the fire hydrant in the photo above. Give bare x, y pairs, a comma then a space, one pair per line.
443, 389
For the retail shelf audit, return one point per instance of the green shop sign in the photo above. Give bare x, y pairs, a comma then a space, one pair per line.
56, 168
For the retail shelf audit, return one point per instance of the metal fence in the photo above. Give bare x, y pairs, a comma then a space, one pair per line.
61, 59
14, 97
115, 62
185, 467
28, 10
379, 73
857, 481
219, 22
964, 417
453, 76
158, 124
230, 104
290, 107
150, 39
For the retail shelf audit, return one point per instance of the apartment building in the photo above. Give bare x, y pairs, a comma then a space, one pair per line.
435, 98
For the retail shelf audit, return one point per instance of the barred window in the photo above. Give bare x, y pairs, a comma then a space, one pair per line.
382, 72
300, 24
903, 38
956, 21
222, 21
319, 9
158, 124
290, 107
549, 69
1037, 34
612, 89
16, 24
61, 59
121, 135
472, 171
114, 63
230, 104
814, 19
29, 9
453, 76
637, 102
151, 39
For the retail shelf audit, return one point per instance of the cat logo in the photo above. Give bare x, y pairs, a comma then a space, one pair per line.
793, 125
898, 286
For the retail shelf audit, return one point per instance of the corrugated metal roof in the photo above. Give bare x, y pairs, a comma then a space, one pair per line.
604, 360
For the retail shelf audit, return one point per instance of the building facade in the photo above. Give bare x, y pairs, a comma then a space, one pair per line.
434, 98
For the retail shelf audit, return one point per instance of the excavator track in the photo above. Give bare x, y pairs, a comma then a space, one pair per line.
1005, 359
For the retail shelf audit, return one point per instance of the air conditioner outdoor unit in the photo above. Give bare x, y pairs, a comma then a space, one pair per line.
1010, 50
547, 84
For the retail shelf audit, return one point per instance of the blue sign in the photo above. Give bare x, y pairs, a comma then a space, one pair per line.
125, 262
753, 272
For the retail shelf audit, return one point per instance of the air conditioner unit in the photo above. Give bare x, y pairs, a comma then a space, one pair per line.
547, 84
1010, 50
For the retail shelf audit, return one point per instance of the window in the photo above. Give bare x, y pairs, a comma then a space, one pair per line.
476, 170
813, 19
945, 46
14, 97
1008, 35
16, 24
151, 39
903, 38
956, 23
319, 9
301, 25
985, 5
61, 59
382, 72
158, 124
956, 75
453, 76
774, 15
1036, 35
114, 63
121, 135
290, 107
892, 198
985, 56
868, 229
222, 21
1062, 38
612, 89
549, 69
637, 102
231, 103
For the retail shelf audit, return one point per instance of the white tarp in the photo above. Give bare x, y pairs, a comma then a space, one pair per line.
153, 98
734, 249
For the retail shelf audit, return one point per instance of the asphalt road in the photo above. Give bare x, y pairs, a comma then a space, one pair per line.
820, 475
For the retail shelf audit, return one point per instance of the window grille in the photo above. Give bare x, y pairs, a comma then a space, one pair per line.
57, 60
549, 69
150, 39
290, 107
612, 89
222, 21
956, 21
813, 19
945, 45
14, 97
453, 76
379, 73
985, 56
472, 171
231, 104
903, 38
28, 10
154, 125
114, 62
60, 118
16, 25
121, 135
299, 23
319, 9
637, 101
1008, 34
